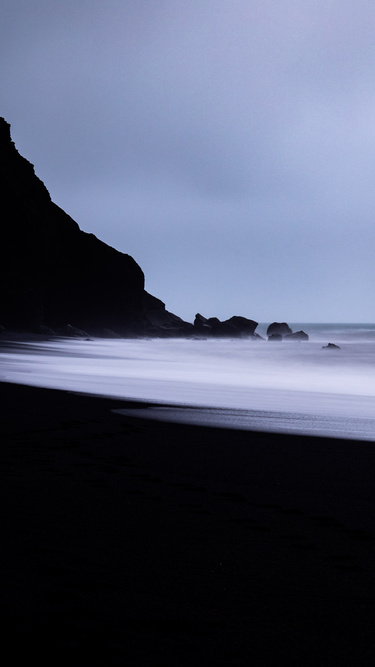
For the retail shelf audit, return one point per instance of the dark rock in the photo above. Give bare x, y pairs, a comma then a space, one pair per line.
331, 346
235, 327
220, 329
201, 324
242, 325
275, 337
52, 273
297, 335
159, 322
215, 325
208, 326
281, 328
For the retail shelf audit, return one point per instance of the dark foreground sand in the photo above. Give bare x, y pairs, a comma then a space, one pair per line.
132, 542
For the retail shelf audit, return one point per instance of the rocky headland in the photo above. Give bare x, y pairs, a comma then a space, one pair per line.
56, 279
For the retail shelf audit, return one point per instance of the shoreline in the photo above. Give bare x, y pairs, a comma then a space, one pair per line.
191, 388
130, 541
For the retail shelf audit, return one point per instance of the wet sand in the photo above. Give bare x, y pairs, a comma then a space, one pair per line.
132, 542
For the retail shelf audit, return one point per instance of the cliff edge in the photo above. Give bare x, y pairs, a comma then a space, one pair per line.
52, 274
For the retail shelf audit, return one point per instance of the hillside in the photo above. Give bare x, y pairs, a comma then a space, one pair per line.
52, 274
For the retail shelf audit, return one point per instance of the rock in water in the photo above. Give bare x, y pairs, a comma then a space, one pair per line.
281, 328
275, 337
235, 327
297, 335
241, 326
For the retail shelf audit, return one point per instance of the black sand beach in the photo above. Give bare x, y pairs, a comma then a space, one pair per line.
135, 542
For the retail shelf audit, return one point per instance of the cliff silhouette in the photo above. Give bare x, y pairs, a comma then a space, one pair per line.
54, 276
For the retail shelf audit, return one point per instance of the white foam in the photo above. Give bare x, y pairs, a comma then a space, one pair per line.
237, 375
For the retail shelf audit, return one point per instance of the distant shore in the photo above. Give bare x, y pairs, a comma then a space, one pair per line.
128, 541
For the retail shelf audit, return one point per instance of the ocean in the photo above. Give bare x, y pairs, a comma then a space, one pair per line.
287, 386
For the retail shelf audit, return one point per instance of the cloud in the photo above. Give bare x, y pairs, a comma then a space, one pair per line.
228, 143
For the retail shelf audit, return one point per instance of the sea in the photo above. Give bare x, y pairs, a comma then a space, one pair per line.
287, 386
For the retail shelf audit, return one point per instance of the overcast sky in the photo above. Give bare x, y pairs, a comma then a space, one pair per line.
227, 145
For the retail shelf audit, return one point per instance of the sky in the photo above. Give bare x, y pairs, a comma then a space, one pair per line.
227, 145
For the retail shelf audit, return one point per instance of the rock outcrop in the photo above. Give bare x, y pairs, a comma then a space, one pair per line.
235, 327
53, 275
297, 335
157, 321
281, 328
275, 337
57, 279
277, 331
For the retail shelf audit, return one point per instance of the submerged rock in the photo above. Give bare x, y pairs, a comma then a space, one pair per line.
275, 337
297, 335
280, 330
331, 346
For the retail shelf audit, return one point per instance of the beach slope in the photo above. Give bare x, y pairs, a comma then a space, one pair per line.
133, 542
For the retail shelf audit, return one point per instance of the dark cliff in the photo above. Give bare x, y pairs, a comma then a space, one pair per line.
53, 274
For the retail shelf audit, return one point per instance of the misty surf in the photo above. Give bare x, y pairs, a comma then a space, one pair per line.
296, 387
